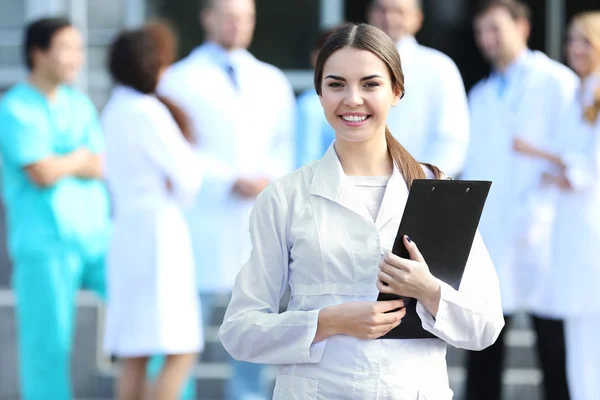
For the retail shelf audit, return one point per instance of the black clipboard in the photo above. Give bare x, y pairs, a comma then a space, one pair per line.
441, 217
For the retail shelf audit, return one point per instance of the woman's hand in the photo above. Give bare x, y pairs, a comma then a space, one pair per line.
561, 181
523, 147
362, 320
409, 278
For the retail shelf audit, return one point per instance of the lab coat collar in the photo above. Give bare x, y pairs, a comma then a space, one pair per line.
406, 46
330, 181
220, 56
516, 67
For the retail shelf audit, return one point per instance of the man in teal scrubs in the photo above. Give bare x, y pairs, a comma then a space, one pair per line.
57, 207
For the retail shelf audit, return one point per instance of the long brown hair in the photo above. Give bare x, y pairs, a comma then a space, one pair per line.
589, 22
137, 58
369, 38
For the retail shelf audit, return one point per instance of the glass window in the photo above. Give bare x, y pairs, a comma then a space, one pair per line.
12, 14
285, 30
11, 56
97, 57
448, 27
105, 14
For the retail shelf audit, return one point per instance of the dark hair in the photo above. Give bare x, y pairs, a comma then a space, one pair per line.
369, 38
39, 35
322, 37
517, 9
137, 58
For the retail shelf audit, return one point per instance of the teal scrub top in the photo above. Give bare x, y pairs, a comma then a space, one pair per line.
74, 212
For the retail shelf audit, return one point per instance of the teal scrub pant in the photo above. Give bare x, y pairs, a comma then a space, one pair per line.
45, 287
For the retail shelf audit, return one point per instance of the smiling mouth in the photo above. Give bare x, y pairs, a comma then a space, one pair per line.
354, 119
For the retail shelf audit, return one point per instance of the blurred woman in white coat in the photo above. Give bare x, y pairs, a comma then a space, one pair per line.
577, 225
323, 231
152, 171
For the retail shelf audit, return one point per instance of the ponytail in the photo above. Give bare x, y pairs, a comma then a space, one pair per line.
180, 117
408, 166
591, 113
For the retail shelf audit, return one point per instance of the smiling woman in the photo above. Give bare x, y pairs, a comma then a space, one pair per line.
359, 77
324, 230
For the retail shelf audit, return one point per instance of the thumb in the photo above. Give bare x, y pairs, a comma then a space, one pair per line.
413, 250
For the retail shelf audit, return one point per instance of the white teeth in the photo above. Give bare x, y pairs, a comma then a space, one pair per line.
354, 118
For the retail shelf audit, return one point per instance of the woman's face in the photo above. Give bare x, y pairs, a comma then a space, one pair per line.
356, 94
582, 57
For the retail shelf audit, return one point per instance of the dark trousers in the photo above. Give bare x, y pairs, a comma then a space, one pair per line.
484, 380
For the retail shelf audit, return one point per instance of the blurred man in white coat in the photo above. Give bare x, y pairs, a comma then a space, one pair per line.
517, 105
432, 121
242, 111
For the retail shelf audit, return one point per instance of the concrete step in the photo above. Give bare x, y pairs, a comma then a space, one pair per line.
94, 374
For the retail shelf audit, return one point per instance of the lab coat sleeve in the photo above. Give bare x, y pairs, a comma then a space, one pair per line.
219, 177
562, 87
253, 330
450, 139
21, 142
469, 318
583, 168
165, 145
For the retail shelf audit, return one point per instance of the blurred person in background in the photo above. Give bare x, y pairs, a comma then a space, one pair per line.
57, 207
576, 174
438, 132
152, 171
521, 100
242, 112
313, 133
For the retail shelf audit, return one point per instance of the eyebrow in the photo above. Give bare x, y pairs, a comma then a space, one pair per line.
339, 78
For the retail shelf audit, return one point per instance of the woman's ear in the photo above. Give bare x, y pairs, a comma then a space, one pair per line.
398, 94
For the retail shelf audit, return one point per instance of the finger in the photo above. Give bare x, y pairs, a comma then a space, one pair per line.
385, 277
383, 288
396, 262
384, 330
392, 317
385, 306
413, 250
390, 273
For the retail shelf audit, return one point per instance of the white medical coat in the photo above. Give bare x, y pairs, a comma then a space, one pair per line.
311, 231
575, 261
517, 218
247, 131
432, 120
152, 297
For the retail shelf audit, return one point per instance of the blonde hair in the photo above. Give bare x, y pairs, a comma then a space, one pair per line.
589, 23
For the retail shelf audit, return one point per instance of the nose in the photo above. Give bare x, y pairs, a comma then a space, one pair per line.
390, 19
353, 98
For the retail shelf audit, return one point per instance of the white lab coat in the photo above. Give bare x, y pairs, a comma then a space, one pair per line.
311, 231
432, 120
575, 261
517, 217
248, 132
152, 298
